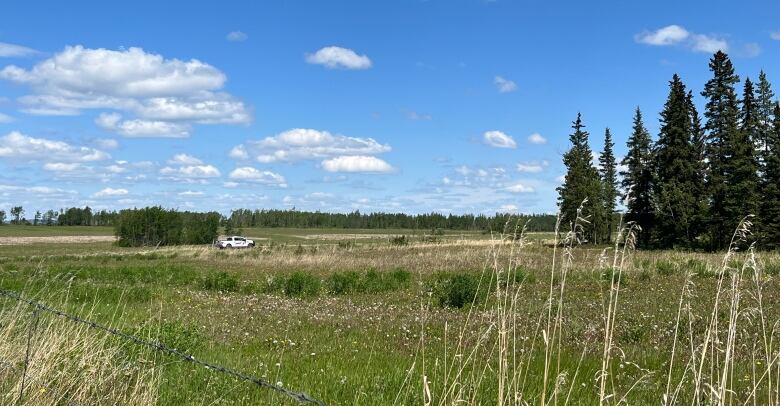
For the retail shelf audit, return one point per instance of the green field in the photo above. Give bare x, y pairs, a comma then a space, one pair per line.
372, 322
11, 230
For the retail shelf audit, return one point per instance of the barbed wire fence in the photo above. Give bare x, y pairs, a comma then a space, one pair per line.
38, 307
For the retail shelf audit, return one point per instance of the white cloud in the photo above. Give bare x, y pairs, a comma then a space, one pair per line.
62, 167
537, 139
678, 35
230, 184
356, 163
154, 89
708, 44
508, 208
11, 50
531, 167
191, 193
16, 145
141, 128
236, 36
499, 139
5, 118
110, 192
775, 35
669, 35
191, 172
184, 159
520, 188
338, 57
250, 174
302, 144
504, 85
106, 143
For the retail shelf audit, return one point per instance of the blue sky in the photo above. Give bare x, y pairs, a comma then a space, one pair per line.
410, 106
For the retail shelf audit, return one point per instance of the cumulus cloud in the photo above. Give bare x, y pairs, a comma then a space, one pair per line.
499, 139
141, 128
337, 57
250, 174
191, 172
520, 188
16, 145
236, 36
106, 143
304, 144
356, 163
191, 193
504, 85
110, 192
537, 139
5, 118
677, 35
531, 167
10, 50
184, 159
166, 96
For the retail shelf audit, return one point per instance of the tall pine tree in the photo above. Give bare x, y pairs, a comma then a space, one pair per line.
722, 127
637, 180
764, 114
699, 162
676, 174
581, 185
608, 173
770, 188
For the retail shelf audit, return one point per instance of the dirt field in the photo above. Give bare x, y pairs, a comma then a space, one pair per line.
60, 239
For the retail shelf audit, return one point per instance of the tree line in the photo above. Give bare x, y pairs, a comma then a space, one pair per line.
691, 186
155, 226
245, 218
74, 216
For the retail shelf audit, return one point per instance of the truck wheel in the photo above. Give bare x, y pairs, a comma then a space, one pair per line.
252, 245
229, 246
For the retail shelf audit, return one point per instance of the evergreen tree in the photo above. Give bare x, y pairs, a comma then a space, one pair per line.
741, 168
699, 162
675, 172
581, 185
608, 173
770, 188
722, 114
637, 180
764, 115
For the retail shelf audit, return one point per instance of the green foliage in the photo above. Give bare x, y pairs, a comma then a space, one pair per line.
157, 226
769, 220
772, 268
220, 281
665, 268
638, 180
399, 240
581, 186
302, 284
179, 336
608, 173
371, 281
457, 290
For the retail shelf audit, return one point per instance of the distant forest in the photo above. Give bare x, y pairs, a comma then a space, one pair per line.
694, 184
246, 218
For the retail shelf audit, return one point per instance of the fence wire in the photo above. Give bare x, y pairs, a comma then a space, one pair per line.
160, 347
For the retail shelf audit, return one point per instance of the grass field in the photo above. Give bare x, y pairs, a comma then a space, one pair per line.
369, 321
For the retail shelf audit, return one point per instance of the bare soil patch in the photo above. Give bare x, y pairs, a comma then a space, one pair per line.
60, 239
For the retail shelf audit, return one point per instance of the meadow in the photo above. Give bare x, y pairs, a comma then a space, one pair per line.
365, 317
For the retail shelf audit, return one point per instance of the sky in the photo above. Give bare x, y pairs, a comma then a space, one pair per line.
458, 106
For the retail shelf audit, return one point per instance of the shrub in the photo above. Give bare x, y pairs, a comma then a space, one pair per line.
221, 281
399, 240
341, 283
664, 268
302, 284
457, 290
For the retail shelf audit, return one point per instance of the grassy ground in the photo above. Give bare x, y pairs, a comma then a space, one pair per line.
10, 230
374, 322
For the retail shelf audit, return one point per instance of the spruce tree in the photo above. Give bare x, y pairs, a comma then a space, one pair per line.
741, 169
637, 180
675, 181
581, 185
722, 127
770, 188
608, 173
764, 115
699, 162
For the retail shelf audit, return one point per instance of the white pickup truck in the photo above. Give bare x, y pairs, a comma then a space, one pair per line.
234, 242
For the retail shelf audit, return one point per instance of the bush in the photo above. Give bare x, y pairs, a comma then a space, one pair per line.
302, 284
665, 268
399, 240
458, 290
157, 226
221, 281
341, 283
